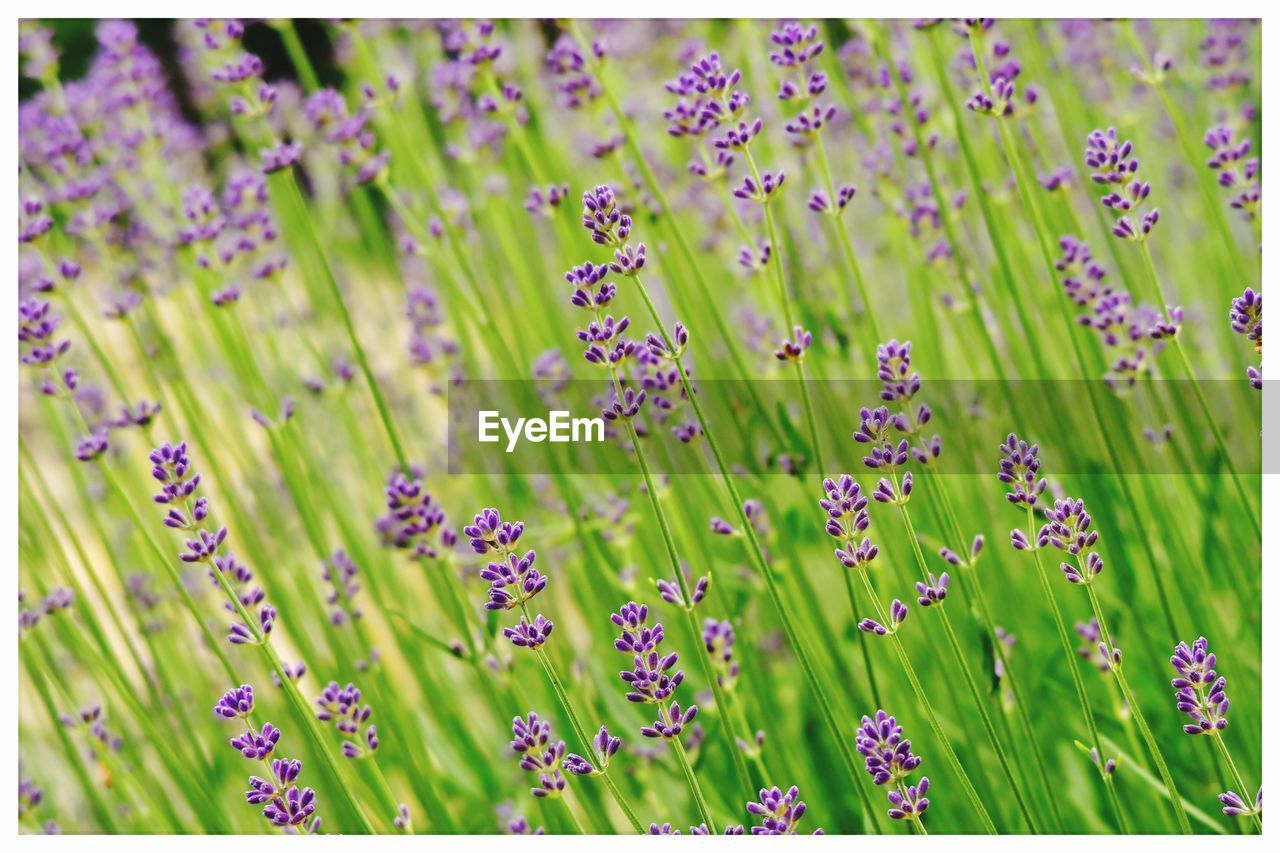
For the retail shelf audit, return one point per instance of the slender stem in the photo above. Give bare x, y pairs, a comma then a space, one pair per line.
1073, 663
682, 758
956, 652
1209, 415
1152, 746
846, 243
561, 694
294, 195
862, 638
1237, 778
984, 611
979, 808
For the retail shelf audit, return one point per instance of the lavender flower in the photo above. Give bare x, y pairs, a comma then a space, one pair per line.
1202, 693
285, 804
897, 615
1234, 805
341, 706
1115, 167
779, 813
1020, 470
414, 521
539, 755
718, 638
890, 761
1246, 319
651, 679
1237, 171
606, 746
1069, 529
340, 573
172, 468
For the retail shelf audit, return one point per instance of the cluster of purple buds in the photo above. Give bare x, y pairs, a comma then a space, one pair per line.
934, 591
606, 345
651, 679
1020, 471
763, 191
605, 747
793, 349
890, 761
975, 549
877, 428
538, 754
820, 202
897, 615
998, 103
1225, 51
284, 803
341, 706
340, 573
718, 639
1246, 319
239, 580
58, 599
1093, 650
427, 342
1236, 805
671, 593
231, 66
513, 582
545, 202
414, 522
707, 99
172, 468
590, 291
1202, 693
795, 47
36, 327
349, 135
1237, 171
847, 518
577, 84
1069, 528
93, 721
779, 812
1115, 168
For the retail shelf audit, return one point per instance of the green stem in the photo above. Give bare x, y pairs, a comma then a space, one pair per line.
846, 243
979, 808
1237, 778
585, 739
956, 652
1152, 746
1210, 416
984, 611
1073, 662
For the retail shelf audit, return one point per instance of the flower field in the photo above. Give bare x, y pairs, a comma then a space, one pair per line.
918, 366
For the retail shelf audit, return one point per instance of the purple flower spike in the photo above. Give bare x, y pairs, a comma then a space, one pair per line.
897, 615
793, 350
237, 702
539, 754
1202, 693
933, 592
1020, 470
911, 802
1235, 805
529, 635
780, 813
